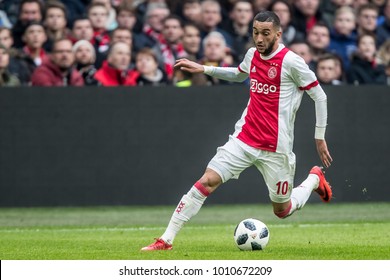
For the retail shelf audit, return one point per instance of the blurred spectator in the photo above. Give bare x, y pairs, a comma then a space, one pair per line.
29, 10
192, 11
383, 57
20, 64
75, 9
318, 39
127, 18
115, 70
121, 34
284, 11
6, 78
147, 67
240, 29
98, 15
171, 46
214, 46
260, 5
191, 41
343, 36
118, 35
6, 37
340, 72
117, 3
55, 22
211, 17
236, 33
306, 14
214, 50
326, 70
329, 8
111, 23
142, 6
4, 21
191, 44
173, 5
383, 31
302, 49
57, 69
364, 68
367, 16
380, 5
357, 3
11, 8
85, 56
151, 32
34, 38
383, 54
82, 29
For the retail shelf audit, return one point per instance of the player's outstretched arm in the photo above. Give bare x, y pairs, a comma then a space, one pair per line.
189, 66
231, 74
323, 152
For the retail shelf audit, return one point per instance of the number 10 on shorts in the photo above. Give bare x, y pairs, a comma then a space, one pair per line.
282, 187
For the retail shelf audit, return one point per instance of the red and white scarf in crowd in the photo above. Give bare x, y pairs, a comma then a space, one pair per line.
169, 52
152, 33
37, 60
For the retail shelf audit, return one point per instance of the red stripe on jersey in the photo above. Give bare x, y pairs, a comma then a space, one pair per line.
261, 123
239, 69
313, 84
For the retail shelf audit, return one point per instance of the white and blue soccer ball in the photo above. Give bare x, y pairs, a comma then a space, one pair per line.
251, 234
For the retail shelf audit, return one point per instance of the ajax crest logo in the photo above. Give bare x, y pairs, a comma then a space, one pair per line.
272, 72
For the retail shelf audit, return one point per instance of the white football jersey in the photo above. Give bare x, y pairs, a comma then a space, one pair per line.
277, 83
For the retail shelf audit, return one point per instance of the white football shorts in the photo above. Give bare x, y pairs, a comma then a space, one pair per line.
278, 169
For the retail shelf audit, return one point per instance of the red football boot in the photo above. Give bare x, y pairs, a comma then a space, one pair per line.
159, 244
324, 189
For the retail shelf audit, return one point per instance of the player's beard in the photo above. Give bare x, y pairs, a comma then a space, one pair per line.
270, 48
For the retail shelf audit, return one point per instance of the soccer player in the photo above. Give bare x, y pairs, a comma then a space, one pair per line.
263, 136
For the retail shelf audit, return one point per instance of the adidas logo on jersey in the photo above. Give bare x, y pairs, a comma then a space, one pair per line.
253, 69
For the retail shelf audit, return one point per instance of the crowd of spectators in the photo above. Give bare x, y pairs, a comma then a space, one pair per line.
136, 43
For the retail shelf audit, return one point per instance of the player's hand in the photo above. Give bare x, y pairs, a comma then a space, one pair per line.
189, 66
323, 152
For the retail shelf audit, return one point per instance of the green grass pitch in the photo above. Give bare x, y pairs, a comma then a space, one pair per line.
317, 232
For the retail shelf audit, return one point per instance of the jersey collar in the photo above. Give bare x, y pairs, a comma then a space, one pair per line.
280, 47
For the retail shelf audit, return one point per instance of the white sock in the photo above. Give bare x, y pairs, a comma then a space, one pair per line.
188, 207
301, 194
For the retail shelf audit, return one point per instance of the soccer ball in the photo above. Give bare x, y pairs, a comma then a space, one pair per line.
251, 234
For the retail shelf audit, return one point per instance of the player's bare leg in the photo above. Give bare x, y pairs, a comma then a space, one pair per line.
188, 207
314, 182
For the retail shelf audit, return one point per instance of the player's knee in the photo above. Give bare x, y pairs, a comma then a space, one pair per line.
208, 184
210, 180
